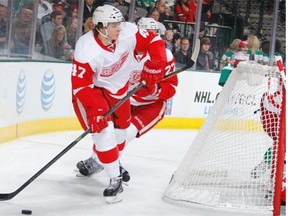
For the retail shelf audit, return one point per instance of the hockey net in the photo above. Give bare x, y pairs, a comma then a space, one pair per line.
233, 161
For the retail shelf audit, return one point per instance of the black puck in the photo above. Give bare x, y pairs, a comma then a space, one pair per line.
26, 212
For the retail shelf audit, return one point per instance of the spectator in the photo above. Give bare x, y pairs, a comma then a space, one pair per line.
241, 54
3, 26
185, 10
278, 49
57, 6
176, 43
160, 6
88, 25
265, 47
205, 59
22, 31
67, 9
184, 54
89, 8
206, 10
155, 15
227, 56
168, 37
135, 16
72, 32
73, 11
167, 16
55, 46
254, 49
48, 28
202, 31
226, 64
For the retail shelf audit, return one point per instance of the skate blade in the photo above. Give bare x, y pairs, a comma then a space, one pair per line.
125, 183
78, 174
114, 199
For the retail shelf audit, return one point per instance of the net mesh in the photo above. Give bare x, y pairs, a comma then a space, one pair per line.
231, 162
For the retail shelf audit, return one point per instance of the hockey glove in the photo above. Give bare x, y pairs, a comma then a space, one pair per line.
95, 116
97, 123
152, 75
96, 106
148, 90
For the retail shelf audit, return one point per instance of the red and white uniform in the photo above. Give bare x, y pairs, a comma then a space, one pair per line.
97, 65
271, 104
149, 110
101, 74
270, 111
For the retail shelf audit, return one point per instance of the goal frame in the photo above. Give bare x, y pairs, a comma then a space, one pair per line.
185, 184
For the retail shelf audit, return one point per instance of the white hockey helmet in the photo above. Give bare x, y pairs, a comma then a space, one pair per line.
148, 23
106, 14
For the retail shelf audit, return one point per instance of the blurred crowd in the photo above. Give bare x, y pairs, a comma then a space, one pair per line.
59, 24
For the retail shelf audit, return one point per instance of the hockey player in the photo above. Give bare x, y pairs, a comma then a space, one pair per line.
147, 105
101, 71
270, 110
270, 107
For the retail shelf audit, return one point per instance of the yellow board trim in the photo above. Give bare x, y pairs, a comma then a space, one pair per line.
65, 124
180, 123
8, 133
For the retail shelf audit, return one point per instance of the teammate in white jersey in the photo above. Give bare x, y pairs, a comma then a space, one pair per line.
148, 105
101, 71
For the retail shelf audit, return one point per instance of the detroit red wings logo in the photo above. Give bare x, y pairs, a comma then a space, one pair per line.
109, 71
134, 77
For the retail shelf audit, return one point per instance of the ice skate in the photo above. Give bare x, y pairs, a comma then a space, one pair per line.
125, 174
88, 167
259, 170
114, 190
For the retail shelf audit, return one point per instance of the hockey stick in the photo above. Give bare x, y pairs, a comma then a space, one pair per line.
8, 196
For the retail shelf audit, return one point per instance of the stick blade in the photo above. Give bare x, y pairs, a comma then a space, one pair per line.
6, 196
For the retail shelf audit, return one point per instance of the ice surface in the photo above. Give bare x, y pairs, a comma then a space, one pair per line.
151, 160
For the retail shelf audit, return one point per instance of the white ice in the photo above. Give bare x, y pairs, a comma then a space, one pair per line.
151, 160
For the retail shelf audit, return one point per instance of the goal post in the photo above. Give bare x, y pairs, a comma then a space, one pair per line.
236, 160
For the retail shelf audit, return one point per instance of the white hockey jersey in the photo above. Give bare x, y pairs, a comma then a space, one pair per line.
96, 65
